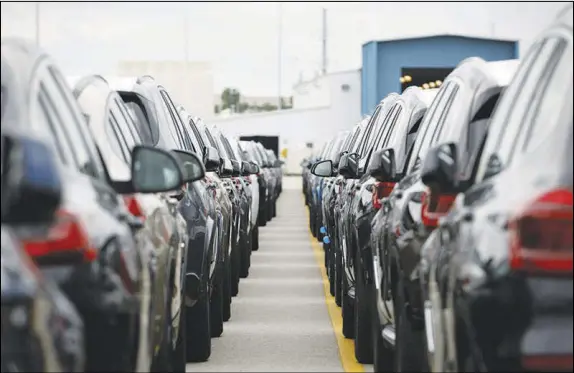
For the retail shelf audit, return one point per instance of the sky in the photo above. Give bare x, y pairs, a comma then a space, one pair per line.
241, 39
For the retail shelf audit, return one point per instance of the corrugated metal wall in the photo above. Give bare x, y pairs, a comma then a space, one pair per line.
382, 61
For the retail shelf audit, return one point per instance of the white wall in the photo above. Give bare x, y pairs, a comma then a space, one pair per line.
189, 84
298, 126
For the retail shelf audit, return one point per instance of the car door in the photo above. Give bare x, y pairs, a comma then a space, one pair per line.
56, 114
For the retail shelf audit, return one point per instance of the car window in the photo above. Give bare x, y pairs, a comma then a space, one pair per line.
549, 98
507, 121
178, 126
125, 135
71, 123
394, 131
112, 134
43, 123
129, 120
431, 123
367, 131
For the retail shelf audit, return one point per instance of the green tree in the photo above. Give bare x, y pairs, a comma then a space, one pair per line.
230, 97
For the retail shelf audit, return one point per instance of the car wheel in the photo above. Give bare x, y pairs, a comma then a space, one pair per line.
235, 259
338, 280
198, 328
409, 344
348, 311
216, 309
245, 257
255, 238
383, 355
227, 291
363, 331
179, 352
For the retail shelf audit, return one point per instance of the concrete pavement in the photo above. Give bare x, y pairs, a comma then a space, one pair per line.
280, 319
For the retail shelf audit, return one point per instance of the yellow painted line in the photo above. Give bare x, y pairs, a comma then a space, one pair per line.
346, 346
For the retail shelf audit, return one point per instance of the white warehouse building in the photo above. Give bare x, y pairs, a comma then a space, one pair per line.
321, 107
189, 84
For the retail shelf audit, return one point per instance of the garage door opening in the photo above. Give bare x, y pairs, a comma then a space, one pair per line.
269, 142
422, 75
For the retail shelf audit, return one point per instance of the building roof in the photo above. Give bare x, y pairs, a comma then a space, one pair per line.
429, 36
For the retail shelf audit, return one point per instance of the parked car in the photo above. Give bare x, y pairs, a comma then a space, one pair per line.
162, 231
398, 132
252, 181
90, 250
331, 215
41, 329
496, 275
250, 147
240, 207
459, 114
219, 181
271, 182
165, 130
246, 197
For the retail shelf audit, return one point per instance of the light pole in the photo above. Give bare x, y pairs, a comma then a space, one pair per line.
279, 54
37, 21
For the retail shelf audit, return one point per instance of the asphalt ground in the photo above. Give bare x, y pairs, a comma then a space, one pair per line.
284, 319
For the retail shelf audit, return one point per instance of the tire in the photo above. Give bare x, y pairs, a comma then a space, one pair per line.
409, 345
234, 278
216, 309
338, 281
255, 238
363, 320
173, 359
348, 311
383, 355
198, 328
179, 354
245, 257
227, 291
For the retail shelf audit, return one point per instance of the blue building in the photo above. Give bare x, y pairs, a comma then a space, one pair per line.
423, 59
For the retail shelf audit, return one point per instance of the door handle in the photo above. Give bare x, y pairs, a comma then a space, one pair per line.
133, 222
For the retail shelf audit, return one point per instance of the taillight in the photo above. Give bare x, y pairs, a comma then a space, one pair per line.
435, 206
380, 191
541, 235
66, 242
548, 363
134, 206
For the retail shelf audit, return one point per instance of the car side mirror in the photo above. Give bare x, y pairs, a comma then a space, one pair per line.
255, 168
382, 166
236, 168
245, 169
348, 165
31, 181
440, 167
155, 170
323, 168
211, 159
225, 168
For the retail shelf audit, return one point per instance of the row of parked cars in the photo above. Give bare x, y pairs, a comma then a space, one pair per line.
446, 218
127, 223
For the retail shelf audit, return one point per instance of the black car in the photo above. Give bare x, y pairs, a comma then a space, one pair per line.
352, 167
496, 275
90, 250
242, 188
219, 182
459, 114
163, 231
164, 129
41, 328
